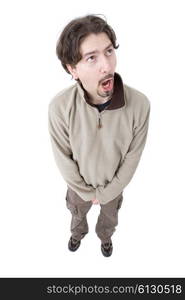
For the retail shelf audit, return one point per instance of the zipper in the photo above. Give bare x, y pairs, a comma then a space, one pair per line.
100, 125
100, 121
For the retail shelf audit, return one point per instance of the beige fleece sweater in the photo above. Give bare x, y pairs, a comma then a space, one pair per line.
98, 152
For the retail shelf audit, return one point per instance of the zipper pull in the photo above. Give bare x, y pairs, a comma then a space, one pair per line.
100, 122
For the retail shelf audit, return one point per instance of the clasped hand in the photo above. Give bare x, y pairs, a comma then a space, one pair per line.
95, 201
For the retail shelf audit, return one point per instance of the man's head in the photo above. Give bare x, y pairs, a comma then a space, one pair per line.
86, 49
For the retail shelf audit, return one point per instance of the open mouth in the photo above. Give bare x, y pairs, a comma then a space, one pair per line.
107, 84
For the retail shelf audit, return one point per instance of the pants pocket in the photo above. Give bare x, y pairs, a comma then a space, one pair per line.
120, 202
73, 209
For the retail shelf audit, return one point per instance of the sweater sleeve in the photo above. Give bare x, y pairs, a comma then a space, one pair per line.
128, 165
59, 135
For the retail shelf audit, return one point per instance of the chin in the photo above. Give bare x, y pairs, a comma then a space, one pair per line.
107, 94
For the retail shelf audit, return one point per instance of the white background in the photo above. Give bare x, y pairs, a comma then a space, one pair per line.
34, 221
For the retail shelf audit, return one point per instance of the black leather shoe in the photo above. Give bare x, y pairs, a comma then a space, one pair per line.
73, 244
107, 249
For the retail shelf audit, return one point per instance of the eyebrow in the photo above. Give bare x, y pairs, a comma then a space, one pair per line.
96, 51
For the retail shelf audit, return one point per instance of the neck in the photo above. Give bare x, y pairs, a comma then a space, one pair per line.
98, 99
101, 101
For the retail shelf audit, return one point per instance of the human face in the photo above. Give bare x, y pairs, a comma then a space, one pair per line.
97, 66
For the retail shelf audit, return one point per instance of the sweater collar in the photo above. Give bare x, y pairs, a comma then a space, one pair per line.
118, 97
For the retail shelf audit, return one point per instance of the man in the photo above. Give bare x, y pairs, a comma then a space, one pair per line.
98, 128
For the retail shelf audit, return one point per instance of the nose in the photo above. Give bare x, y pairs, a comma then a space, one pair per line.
105, 66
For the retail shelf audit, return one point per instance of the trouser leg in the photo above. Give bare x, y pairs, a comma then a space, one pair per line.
79, 209
108, 219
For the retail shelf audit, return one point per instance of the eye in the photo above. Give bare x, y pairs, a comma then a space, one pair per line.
109, 51
91, 58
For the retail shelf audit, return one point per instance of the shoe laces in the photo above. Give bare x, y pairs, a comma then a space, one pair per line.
74, 241
107, 245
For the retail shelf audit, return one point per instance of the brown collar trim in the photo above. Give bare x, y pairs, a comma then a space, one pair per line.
118, 99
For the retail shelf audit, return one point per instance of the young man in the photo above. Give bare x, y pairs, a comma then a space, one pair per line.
98, 128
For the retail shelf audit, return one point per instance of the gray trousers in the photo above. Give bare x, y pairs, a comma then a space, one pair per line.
107, 220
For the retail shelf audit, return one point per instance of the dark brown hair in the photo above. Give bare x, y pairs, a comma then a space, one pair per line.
68, 45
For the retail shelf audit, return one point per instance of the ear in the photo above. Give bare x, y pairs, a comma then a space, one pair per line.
73, 71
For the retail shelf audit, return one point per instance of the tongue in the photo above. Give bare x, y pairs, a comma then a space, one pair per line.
108, 85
